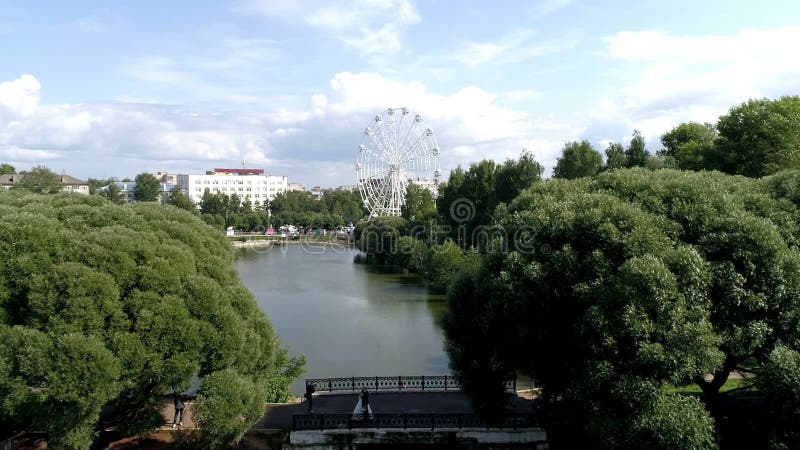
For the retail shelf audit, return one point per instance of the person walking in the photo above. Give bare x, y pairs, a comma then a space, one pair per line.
309, 395
365, 403
179, 406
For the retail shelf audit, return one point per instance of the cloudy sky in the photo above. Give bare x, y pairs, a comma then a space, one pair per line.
114, 88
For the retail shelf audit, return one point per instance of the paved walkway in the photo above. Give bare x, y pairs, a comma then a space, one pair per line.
280, 415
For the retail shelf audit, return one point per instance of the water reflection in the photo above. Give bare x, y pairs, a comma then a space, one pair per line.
348, 319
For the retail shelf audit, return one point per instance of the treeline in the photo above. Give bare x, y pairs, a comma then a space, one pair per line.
300, 208
334, 209
619, 283
437, 238
755, 139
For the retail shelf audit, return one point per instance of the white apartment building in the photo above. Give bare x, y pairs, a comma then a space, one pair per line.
249, 184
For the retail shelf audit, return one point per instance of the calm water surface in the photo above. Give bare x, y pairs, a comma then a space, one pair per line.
347, 319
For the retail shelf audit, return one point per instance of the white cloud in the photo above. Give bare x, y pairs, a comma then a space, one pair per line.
19, 97
317, 144
369, 26
696, 77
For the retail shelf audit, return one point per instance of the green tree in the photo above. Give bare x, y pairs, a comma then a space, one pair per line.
515, 175
41, 180
294, 201
778, 381
113, 193
578, 159
615, 156
147, 189
691, 144
760, 137
7, 169
467, 200
419, 205
104, 308
636, 155
604, 288
179, 199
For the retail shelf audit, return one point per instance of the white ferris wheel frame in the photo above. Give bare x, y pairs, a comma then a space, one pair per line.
396, 149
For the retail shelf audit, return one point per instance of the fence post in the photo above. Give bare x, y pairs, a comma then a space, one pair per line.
423, 382
400, 382
294, 423
353, 383
445, 382
433, 422
376, 383
330, 385
349, 422
321, 422
405, 421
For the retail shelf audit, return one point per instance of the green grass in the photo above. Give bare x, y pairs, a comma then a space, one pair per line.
693, 389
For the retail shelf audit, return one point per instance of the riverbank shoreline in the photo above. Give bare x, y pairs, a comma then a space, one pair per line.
263, 243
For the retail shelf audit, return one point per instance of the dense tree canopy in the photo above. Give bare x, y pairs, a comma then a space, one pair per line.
108, 307
615, 285
178, 198
691, 144
419, 205
615, 156
578, 159
113, 194
468, 199
7, 169
760, 137
148, 188
41, 180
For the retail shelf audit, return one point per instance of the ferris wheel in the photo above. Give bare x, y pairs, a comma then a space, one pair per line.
397, 148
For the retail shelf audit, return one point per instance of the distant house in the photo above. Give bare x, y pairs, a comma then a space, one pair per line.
70, 184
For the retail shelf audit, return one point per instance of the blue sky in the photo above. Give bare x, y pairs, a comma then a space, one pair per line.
113, 88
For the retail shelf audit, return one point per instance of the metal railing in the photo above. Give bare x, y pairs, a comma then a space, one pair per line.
398, 383
404, 421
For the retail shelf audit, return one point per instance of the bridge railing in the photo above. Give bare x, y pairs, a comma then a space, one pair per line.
431, 422
398, 383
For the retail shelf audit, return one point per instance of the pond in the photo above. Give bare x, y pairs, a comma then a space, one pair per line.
347, 319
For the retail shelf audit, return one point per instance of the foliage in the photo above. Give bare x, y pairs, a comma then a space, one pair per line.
7, 169
148, 188
760, 137
691, 144
227, 406
419, 205
605, 288
615, 156
379, 236
108, 307
468, 199
178, 198
40, 180
673, 422
444, 263
578, 159
779, 381
113, 194
516, 175
636, 155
